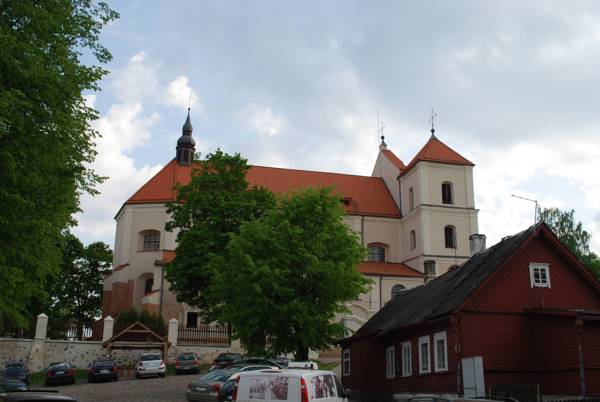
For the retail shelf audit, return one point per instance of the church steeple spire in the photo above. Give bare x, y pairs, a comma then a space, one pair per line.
186, 146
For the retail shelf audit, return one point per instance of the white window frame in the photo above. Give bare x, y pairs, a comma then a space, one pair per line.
440, 336
541, 267
346, 358
406, 359
390, 362
425, 340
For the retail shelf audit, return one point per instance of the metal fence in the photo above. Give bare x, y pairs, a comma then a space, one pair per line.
207, 334
27, 331
73, 331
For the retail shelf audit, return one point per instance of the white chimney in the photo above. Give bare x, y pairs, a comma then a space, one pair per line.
477, 243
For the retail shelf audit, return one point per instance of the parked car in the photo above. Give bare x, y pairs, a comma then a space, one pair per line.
12, 386
206, 388
16, 371
226, 391
103, 369
187, 363
150, 364
289, 385
35, 396
59, 373
224, 359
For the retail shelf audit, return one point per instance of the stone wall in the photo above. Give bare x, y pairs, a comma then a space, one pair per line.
39, 352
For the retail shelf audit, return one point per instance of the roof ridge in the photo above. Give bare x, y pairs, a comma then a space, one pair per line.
315, 171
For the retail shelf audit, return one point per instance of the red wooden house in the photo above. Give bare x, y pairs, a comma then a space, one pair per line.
526, 306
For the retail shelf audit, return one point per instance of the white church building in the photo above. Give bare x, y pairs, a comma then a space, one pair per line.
416, 220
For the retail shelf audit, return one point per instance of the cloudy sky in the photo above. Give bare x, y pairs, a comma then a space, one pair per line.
297, 84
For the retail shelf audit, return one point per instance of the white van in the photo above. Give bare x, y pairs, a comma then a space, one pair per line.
290, 386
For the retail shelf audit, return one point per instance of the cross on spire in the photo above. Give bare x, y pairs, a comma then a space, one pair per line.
380, 127
431, 120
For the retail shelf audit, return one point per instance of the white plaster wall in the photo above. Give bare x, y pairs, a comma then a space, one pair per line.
387, 231
408, 180
385, 169
461, 178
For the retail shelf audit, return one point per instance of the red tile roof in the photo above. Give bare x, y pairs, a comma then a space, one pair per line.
364, 195
394, 159
388, 269
436, 151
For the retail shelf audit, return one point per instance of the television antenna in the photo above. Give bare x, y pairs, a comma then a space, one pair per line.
535, 217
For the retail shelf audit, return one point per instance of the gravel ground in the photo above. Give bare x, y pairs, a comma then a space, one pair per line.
169, 389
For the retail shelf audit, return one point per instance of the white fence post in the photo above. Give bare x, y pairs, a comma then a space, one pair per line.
173, 329
41, 326
107, 331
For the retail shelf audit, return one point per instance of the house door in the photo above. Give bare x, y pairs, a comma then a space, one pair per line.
472, 374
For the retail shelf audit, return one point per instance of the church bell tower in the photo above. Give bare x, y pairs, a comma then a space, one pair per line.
186, 146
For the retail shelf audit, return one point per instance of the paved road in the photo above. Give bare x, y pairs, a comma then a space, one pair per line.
169, 389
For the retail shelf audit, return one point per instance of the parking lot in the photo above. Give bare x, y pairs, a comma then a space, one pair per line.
169, 389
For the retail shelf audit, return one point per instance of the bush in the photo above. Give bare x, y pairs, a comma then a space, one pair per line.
151, 320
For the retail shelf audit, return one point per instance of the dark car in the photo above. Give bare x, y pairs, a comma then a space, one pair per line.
59, 373
187, 363
16, 371
12, 386
103, 370
225, 359
206, 388
35, 396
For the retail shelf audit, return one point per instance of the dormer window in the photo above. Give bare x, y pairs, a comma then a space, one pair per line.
376, 253
447, 196
151, 241
539, 274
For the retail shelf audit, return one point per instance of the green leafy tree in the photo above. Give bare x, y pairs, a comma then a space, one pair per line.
76, 293
207, 211
572, 234
46, 142
286, 275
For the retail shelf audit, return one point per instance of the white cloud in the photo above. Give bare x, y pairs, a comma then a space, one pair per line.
542, 172
179, 94
262, 120
137, 81
124, 128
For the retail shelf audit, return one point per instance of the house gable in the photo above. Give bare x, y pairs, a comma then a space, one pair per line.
571, 285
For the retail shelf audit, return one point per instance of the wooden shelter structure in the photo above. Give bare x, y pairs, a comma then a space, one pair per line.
137, 336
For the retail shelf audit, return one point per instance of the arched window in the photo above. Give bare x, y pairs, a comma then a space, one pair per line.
148, 285
411, 199
413, 240
396, 290
151, 240
447, 196
376, 253
450, 236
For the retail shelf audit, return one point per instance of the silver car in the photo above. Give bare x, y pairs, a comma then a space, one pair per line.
150, 364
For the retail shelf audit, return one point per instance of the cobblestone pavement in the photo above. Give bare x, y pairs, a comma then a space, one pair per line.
169, 389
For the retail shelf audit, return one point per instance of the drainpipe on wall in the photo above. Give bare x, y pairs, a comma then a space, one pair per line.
579, 325
162, 285
380, 298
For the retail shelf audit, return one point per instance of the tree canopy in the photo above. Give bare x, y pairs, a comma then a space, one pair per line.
76, 292
286, 275
46, 141
572, 234
206, 212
